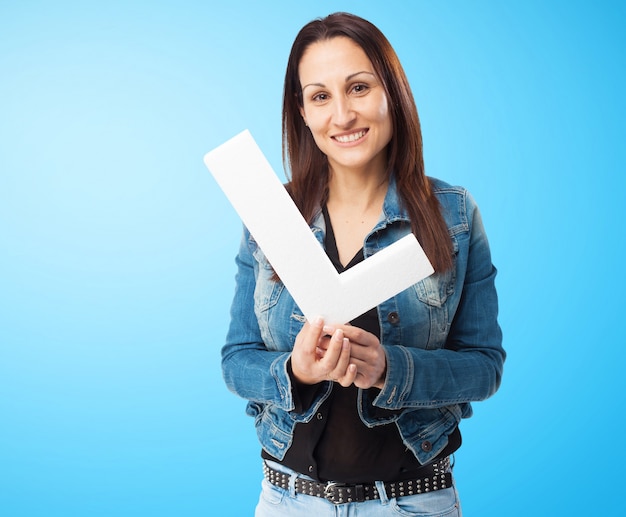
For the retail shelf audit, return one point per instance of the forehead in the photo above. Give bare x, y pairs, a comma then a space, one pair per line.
339, 56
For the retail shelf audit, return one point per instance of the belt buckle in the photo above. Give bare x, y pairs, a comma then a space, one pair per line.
330, 492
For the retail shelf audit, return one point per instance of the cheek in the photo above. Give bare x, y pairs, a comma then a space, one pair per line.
383, 111
314, 119
320, 142
317, 132
316, 126
384, 117
385, 127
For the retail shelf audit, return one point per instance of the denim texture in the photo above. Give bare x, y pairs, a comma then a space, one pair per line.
441, 336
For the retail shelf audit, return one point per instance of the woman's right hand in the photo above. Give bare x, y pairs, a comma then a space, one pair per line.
317, 357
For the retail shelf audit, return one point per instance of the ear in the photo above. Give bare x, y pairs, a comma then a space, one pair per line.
302, 115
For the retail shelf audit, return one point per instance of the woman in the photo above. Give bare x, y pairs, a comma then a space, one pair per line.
363, 415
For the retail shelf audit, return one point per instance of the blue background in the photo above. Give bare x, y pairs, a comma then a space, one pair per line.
116, 246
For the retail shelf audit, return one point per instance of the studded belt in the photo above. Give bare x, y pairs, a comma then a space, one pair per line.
435, 477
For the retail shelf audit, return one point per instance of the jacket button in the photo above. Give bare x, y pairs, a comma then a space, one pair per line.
319, 416
427, 446
393, 318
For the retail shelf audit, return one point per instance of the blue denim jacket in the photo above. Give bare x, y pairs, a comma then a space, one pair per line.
441, 336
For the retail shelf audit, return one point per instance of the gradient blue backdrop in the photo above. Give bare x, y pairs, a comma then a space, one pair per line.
116, 246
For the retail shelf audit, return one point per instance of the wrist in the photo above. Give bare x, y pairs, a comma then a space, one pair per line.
296, 376
380, 383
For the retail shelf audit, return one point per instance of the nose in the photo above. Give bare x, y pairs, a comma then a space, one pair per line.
343, 112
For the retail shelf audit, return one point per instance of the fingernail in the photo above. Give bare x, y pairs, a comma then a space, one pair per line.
329, 330
318, 322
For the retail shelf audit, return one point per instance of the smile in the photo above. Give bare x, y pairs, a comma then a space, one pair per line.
346, 139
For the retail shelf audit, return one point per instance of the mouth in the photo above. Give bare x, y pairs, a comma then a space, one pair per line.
350, 137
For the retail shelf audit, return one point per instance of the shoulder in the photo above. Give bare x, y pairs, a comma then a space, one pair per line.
442, 188
457, 204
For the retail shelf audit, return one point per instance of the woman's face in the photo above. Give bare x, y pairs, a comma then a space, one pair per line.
345, 106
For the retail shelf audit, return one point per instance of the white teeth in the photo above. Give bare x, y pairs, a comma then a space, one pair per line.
350, 138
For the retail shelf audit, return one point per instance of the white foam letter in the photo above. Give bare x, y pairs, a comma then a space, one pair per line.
260, 199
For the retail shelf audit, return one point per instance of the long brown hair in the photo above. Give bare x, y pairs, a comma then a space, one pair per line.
308, 166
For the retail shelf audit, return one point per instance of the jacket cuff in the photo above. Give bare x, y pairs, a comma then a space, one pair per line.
278, 369
375, 415
303, 395
399, 378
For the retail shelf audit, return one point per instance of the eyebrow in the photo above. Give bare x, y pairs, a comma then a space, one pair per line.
348, 78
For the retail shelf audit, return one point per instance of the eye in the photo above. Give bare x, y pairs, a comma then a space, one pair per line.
360, 88
319, 97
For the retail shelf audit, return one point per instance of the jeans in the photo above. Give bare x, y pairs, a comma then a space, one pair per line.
276, 502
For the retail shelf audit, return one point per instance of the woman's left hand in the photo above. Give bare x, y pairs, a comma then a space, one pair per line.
366, 353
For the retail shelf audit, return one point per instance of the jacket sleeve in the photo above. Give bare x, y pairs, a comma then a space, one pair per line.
250, 370
469, 367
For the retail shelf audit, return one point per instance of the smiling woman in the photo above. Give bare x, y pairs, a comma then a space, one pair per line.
365, 414
116, 270
345, 107
307, 161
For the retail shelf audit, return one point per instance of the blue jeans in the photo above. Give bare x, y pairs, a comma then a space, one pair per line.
277, 502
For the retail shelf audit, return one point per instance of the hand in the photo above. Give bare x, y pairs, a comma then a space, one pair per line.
318, 357
366, 353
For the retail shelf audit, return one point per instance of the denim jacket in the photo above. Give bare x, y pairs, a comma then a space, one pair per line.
441, 337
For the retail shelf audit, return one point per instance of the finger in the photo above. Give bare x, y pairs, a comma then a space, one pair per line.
349, 378
329, 329
343, 362
323, 342
333, 352
304, 354
359, 336
322, 345
363, 353
310, 335
369, 373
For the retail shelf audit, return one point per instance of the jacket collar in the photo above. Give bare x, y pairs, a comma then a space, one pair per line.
392, 211
392, 206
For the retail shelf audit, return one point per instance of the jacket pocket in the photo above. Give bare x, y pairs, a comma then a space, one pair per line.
435, 289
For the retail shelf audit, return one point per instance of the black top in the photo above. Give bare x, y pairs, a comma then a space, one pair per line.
336, 445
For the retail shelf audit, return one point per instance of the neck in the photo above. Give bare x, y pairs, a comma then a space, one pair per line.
354, 205
356, 195
358, 187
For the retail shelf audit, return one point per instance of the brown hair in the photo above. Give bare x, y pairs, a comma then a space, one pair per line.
308, 166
